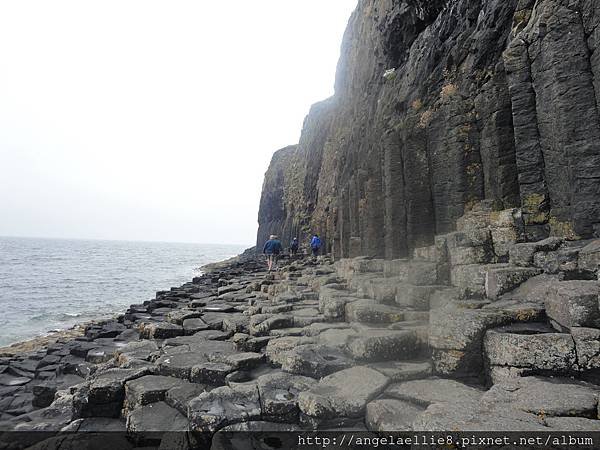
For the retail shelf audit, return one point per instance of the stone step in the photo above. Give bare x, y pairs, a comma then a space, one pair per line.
573, 304
527, 348
368, 311
420, 273
501, 280
386, 345
470, 278
341, 396
415, 297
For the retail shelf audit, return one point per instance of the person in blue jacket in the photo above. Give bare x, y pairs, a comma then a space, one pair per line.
315, 244
272, 249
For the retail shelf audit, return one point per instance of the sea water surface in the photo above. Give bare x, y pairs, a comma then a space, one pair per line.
53, 284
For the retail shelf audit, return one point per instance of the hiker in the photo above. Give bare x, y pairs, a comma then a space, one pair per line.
294, 246
315, 245
272, 249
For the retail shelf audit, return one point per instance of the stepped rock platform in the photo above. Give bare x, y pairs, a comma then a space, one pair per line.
451, 339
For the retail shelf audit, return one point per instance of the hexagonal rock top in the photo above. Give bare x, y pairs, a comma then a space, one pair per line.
345, 393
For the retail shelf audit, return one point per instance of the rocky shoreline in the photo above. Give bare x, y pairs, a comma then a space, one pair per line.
478, 332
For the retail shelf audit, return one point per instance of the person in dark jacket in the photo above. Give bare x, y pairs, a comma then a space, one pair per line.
294, 246
272, 249
315, 244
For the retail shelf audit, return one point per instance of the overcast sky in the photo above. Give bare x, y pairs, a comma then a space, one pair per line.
154, 120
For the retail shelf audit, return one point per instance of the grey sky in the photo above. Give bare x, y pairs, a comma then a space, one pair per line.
154, 120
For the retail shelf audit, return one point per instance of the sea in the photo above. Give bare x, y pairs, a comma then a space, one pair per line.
53, 284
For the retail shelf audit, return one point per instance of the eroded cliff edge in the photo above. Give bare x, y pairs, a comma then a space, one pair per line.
441, 104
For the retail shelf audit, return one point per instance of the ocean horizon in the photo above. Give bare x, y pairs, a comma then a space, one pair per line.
50, 284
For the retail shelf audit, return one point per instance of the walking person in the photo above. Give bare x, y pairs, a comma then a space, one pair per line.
315, 245
272, 249
294, 246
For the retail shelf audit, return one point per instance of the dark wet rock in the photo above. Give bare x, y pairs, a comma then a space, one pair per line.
179, 396
192, 326
148, 389
223, 406
103, 395
255, 435
101, 425
8, 380
180, 365
211, 373
156, 417
342, 394
314, 361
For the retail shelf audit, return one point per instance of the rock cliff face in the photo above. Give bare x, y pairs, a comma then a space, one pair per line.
439, 105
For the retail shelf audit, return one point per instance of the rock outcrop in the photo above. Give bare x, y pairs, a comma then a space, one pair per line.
439, 105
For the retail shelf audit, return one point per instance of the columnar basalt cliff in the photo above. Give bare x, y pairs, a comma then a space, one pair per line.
439, 105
